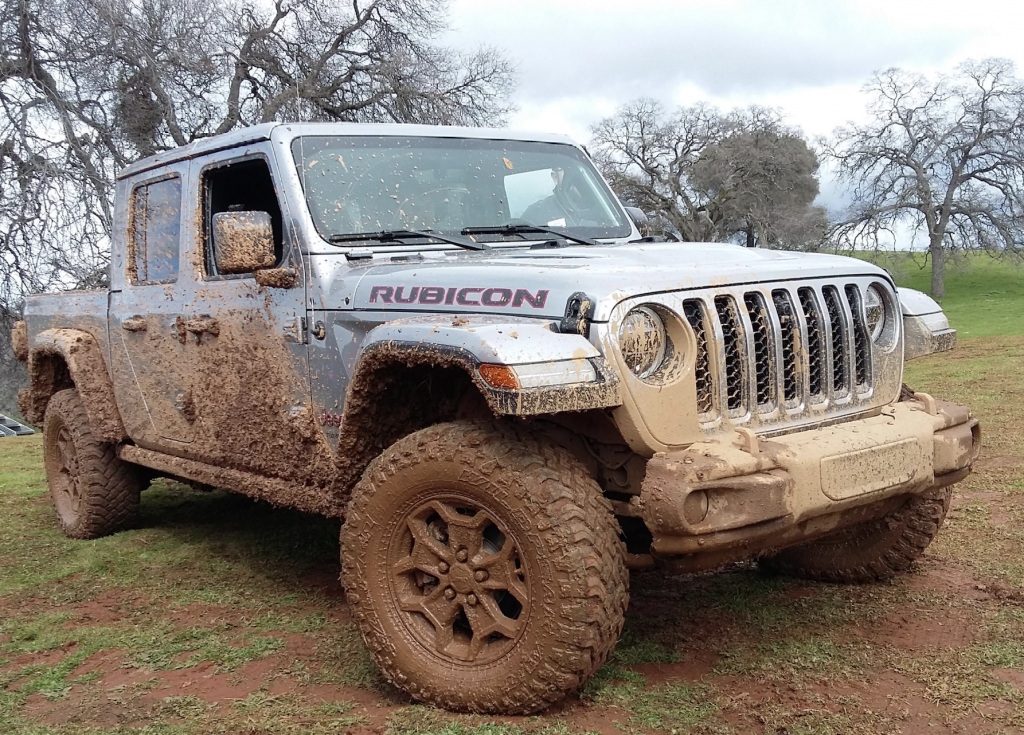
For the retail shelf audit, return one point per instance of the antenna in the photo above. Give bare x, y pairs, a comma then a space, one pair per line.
302, 179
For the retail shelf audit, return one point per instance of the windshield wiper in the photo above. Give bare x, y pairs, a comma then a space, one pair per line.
524, 229
399, 235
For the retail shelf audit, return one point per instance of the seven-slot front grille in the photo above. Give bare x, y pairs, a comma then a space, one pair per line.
759, 351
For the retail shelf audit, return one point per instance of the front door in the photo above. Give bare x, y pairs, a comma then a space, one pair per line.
246, 342
146, 320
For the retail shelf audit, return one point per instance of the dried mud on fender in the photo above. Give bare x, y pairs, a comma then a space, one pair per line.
89, 374
365, 433
19, 341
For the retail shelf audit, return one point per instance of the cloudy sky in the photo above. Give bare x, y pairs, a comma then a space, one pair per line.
579, 59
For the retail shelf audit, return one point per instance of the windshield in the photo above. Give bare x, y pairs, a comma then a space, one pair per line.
372, 184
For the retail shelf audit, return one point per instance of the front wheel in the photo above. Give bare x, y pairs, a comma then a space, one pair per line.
484, 569
872, 551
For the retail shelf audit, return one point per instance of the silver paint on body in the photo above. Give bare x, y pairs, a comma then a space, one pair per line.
330, 319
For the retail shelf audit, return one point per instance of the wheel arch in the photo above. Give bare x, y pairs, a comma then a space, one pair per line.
402, 386
398, 389
71, 358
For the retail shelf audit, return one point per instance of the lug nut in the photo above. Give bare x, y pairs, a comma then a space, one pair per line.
449, 593
481, 575
471, 599
443, 567
462, 555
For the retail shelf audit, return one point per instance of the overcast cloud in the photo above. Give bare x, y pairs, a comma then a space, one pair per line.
579, 59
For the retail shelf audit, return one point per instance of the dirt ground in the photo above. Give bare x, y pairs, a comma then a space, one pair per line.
222, 615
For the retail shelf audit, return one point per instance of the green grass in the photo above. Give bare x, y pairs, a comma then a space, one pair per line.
246, 595
984, 295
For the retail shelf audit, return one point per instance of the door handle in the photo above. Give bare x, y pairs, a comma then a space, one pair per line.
134, 324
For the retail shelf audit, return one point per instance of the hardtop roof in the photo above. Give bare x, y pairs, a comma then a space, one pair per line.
286, 131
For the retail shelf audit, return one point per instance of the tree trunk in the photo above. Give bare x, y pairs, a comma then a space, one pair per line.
938, 255
750, 236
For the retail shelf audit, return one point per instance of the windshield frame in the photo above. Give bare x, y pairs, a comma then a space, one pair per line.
297, 152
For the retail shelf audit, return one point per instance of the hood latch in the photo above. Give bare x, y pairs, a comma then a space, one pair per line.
579, 310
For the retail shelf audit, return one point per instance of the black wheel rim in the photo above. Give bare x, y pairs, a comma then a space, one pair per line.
459, 580
65, 482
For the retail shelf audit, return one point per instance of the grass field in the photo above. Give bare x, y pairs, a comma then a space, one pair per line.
222, 615
984, 295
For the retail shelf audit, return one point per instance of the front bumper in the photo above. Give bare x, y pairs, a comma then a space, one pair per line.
735, 497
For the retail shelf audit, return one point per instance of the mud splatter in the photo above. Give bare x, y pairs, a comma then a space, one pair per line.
69, 358
245, 242
19, 341
277, 277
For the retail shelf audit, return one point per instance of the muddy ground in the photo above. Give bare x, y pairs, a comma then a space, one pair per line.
222, 615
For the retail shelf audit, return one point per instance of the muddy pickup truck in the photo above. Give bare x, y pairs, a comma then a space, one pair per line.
459, 342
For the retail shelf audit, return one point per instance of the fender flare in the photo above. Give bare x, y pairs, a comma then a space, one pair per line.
471, 341
462, 343
87, 370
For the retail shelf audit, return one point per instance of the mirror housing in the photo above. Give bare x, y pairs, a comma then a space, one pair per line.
243, 242
639, 217
926, 329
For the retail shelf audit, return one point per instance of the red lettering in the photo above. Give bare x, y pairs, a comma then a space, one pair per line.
384, 292
496, 297
431, 295
463, 298
413, 293
536, 301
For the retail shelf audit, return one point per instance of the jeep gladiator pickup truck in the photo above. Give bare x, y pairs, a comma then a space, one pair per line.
458, 342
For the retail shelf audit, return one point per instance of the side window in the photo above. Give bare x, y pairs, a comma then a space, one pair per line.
155, 231
245, 186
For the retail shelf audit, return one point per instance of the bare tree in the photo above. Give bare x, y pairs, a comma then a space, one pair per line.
714, 176
86, 86
765, 177
943, 157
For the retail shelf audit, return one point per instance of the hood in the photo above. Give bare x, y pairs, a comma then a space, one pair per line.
538, 283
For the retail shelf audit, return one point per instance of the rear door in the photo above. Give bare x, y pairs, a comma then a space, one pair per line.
146, 326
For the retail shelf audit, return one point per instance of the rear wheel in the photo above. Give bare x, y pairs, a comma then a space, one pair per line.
93, 492
872, 551
484, 569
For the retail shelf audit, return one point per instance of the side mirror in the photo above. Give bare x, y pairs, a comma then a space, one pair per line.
639, 217
243, 241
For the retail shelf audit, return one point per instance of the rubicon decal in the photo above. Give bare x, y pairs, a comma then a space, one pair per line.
431, 295
330, 419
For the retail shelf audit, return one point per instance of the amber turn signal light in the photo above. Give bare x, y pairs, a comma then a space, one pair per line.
501, 377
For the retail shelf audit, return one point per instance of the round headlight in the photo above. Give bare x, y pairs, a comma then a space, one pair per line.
642, 341
874, 312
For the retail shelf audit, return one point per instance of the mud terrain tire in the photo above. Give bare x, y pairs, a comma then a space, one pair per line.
872, 551
429, 505
93, 492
